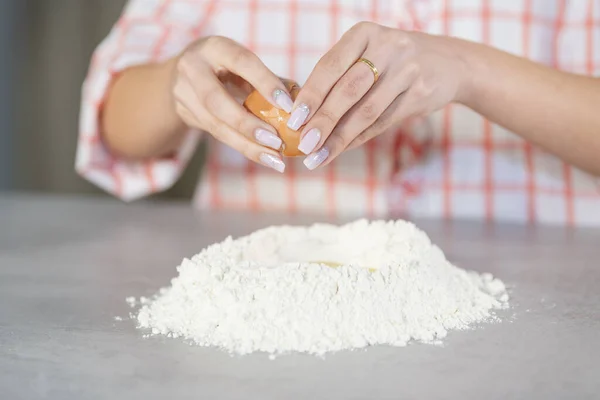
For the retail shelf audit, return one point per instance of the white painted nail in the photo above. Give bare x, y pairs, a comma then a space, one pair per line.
267, 138
310, 141
283, 100
271, 161
314, 160
298, 117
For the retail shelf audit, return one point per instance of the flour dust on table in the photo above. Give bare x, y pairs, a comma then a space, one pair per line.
320, 289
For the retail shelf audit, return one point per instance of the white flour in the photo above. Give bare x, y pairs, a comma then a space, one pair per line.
266, 291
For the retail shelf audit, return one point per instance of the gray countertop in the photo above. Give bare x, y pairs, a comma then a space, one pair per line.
67, 264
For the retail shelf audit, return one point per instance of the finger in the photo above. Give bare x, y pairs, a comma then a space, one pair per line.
248, 148
187, 103
210, 95
228, 54
226, 134
236, 86
346, 134
381, 125
370, 109
330, 68
187, 116
346, 93
403, 107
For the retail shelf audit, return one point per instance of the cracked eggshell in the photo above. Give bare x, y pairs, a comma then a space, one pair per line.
263, 109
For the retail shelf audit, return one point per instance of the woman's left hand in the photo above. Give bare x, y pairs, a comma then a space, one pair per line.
343, 104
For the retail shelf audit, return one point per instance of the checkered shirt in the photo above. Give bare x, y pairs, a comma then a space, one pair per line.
453, 164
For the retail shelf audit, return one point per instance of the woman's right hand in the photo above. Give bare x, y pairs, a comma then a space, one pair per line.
202, 101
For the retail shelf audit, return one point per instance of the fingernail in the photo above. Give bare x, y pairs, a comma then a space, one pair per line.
314, 160
267, 138
298, 117
310, 141
283, 100
271, 161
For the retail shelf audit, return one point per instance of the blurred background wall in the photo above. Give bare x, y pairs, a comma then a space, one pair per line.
46, 46
8, 9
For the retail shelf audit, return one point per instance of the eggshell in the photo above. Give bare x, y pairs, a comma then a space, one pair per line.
263, 109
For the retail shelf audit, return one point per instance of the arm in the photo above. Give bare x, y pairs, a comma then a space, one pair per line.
556, 110
150, 106
136, 43
344, 104
139, 119
139, 112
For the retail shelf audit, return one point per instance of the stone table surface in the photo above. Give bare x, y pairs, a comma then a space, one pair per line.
67, 264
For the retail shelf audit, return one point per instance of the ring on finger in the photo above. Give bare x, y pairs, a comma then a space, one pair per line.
371, 66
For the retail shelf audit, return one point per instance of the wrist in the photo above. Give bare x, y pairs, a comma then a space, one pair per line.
472, 61
169, 73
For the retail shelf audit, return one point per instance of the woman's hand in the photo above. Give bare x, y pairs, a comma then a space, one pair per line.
345, 107
209, 75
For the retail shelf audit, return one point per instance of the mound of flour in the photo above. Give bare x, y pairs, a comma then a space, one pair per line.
321, 289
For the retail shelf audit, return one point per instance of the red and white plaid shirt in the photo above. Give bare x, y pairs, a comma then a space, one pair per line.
452, 164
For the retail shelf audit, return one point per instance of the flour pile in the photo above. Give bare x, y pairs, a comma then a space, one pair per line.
321, 289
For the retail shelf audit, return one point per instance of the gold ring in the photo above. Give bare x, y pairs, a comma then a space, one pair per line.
371, 66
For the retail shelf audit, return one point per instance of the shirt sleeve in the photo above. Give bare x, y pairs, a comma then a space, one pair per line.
147, 31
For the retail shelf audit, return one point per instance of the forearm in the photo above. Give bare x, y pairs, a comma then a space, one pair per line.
558, 111
139, 119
